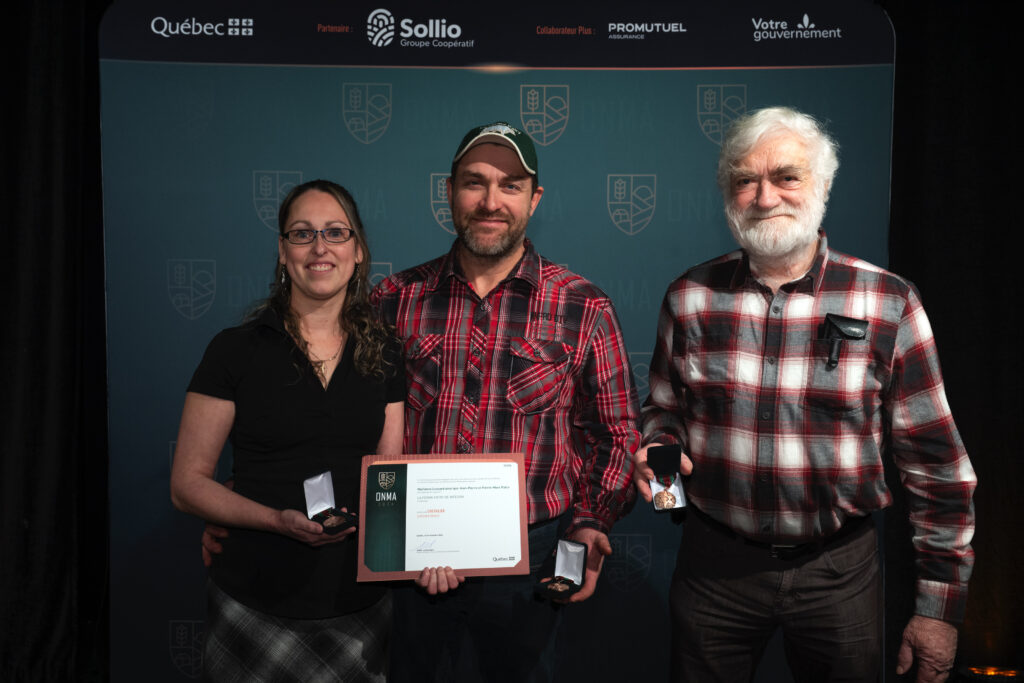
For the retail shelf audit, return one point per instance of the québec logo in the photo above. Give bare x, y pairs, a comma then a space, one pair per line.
234, 26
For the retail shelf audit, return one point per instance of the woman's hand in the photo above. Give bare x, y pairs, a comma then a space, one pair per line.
296, 525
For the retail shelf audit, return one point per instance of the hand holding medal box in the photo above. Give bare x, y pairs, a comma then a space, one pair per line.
320, 506
467, 512
667, 485
570, 570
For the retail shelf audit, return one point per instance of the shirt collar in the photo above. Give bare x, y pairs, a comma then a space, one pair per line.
527, 269
810, 282
269, 317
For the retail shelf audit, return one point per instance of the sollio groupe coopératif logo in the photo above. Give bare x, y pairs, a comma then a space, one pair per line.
433, 32
191, 26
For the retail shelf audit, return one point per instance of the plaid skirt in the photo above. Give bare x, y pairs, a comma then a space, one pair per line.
242, 644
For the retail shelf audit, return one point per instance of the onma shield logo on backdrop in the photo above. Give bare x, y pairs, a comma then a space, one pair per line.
718, 106
439, 201
191, 285
268, 189
544, 111
379, 270
631, 200
630, 562
366, 108
185, 643
641, 362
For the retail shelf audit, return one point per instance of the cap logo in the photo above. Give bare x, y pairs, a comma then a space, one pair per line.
500, 129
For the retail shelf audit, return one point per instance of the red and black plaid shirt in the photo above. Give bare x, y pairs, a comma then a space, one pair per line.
538, 366
785, 448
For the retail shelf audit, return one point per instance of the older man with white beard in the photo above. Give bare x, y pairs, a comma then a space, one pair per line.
784, 371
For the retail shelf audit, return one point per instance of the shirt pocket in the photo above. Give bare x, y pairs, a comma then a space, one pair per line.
846, 388
423, 355
538, 369
708, 366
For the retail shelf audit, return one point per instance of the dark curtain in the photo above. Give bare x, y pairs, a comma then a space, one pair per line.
950, 199
53, 462
952, 191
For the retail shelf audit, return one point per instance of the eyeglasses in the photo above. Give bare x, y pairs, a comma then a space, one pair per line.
330, 235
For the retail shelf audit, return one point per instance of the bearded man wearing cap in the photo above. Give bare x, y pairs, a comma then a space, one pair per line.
508, 352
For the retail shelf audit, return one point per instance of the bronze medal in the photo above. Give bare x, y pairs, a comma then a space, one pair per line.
663, 500
333, 520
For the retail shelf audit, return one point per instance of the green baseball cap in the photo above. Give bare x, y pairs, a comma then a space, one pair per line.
503, 134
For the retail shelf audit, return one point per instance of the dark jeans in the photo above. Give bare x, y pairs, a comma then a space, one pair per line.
728, 598
488, 629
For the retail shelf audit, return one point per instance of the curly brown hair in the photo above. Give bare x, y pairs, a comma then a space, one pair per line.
357, 317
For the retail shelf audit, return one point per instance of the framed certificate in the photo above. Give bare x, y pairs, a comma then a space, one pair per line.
467, 512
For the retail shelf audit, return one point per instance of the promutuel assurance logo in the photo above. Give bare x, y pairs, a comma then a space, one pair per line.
638, 30
433, 32
779, 29
234, 26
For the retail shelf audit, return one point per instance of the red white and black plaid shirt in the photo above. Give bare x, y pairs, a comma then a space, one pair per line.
785, 449
538, 366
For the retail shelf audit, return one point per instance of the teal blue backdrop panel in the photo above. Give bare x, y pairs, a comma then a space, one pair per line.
197, 153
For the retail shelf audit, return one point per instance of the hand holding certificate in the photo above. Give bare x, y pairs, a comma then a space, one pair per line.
467, 512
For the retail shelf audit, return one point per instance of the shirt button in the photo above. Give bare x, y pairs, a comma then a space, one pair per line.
771, 360
763, 477
776, 309
765, 414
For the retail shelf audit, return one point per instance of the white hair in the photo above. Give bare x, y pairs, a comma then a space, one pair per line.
750, 129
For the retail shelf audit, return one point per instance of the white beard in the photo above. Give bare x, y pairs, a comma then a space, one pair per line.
779, 238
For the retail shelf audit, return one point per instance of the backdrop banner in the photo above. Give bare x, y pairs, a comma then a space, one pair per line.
211, 112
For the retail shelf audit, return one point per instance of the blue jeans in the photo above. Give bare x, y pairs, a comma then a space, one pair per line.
488, 629
728, 598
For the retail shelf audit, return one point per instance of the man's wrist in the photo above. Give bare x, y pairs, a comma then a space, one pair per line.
659, 439
588, 522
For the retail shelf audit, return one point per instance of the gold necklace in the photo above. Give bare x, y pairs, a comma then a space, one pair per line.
319, 364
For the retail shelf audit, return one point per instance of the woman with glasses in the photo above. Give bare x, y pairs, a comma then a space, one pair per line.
307, 385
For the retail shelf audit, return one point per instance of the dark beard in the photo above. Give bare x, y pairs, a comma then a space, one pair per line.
494, 251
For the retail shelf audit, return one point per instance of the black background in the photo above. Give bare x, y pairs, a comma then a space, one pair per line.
952, 191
